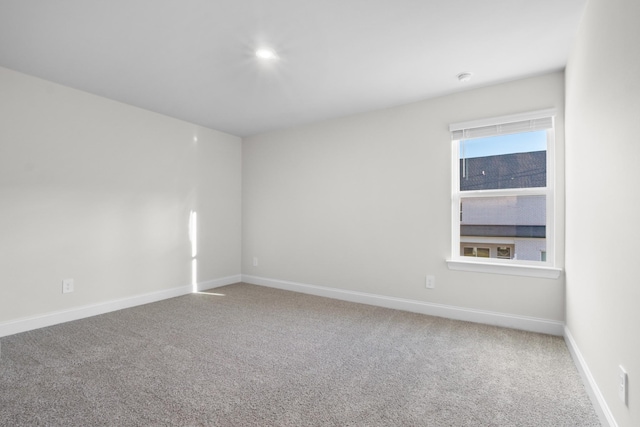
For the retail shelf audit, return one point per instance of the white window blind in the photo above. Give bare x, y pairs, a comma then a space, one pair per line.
528, 122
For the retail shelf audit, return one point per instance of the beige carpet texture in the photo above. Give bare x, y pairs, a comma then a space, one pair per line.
244, 355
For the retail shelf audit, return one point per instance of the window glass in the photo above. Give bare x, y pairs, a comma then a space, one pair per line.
505, 161
484, 252
504, 252
519, 221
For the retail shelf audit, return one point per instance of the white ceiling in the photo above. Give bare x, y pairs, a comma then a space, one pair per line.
194, 59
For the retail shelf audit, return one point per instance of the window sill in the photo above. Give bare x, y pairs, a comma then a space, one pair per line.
509, 269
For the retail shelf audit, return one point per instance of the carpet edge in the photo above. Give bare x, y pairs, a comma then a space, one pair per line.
25, 324
532, 324
593, 391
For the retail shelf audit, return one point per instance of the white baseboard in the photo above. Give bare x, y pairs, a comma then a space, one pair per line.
552, 327
216, 283
49, 319
597, 399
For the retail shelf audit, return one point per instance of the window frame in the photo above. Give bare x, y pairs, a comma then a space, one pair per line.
457, 261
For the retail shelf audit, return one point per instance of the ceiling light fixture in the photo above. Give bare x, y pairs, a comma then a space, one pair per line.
464, 77
266, 54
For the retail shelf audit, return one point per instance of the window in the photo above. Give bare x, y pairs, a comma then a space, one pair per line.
476, 252
503, 191
504, 252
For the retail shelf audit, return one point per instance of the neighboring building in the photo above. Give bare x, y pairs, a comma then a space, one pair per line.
504, 227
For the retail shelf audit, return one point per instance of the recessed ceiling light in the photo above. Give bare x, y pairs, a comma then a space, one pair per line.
464, 77
267, 54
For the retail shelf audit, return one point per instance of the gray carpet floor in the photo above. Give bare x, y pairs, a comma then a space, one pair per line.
244, 355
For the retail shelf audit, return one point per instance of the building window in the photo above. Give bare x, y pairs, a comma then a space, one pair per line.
503, 187
483, 253
476, 252
504, 252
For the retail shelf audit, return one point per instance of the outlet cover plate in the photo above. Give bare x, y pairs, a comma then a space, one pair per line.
431, 282
67, 286
623, 384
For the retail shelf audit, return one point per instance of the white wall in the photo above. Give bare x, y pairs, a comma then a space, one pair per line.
603, 200
100, 192
363, 203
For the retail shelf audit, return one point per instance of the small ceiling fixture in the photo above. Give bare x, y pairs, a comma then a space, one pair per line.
464, 77
266, 54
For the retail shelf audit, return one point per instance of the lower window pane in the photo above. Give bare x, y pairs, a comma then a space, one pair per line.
510, 227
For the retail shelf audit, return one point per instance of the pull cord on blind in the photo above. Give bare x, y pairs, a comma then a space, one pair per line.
527, 122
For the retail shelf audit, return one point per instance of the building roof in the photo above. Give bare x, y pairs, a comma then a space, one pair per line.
517, 170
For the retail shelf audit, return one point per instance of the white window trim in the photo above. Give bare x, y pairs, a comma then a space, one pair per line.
541, 269
485, 266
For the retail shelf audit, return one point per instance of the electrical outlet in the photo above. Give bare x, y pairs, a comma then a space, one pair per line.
67, 286
255, 261
431, 282
623, 384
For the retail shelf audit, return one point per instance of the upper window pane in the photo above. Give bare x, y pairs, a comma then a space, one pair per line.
505, 161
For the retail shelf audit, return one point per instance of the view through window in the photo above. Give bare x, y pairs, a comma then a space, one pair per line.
502, 191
